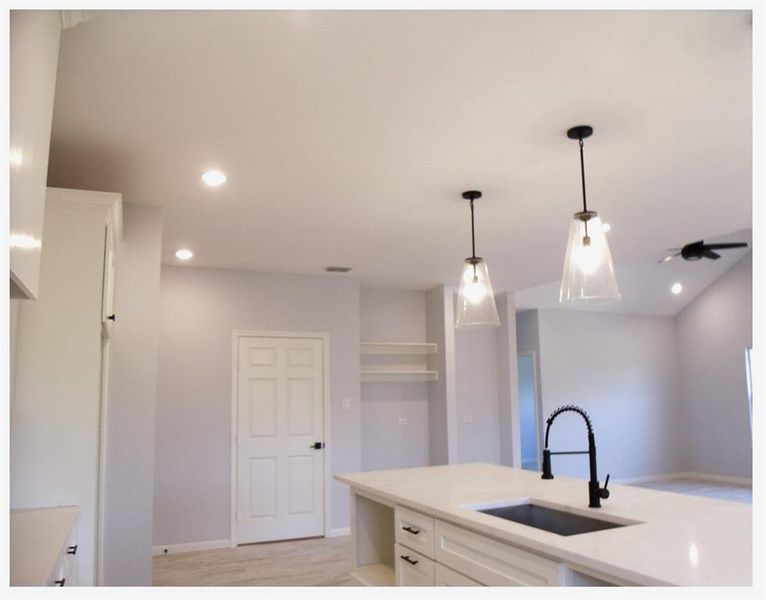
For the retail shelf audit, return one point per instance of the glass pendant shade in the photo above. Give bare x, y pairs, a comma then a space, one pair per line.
475, 297
588, 269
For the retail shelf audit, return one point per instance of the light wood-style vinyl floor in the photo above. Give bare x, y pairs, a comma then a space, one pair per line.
327, 561
696, 487
310, 562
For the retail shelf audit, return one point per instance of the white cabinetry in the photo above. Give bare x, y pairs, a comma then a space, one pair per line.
61, 374
34, 50
445, 576
491, 562
413, 569
426, 551
43, 547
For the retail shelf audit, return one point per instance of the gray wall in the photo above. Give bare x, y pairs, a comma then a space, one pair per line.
129, 453
388, 315
442, 421
200, 308
712, 333
507, 375
622, 370
476, 384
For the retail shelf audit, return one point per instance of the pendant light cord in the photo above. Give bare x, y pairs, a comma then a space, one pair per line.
473, 235
584, 199
582, 177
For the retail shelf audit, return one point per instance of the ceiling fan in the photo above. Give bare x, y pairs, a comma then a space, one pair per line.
698, 250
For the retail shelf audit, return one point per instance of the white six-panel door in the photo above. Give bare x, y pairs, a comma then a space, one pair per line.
280, 475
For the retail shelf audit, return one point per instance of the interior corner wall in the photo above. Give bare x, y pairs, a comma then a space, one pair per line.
394, 415
200, 309
440, 329
622, 370
509, 434
129, 452
476, 387
713, 332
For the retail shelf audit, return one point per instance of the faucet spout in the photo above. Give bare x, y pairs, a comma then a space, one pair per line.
595, 491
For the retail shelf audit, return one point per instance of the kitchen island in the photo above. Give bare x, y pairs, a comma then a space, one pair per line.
422, 526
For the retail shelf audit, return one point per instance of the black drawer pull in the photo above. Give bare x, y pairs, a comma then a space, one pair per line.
72, 549
408, 559
411, 530
60, 582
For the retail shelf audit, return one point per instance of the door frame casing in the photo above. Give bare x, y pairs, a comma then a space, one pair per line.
237, 334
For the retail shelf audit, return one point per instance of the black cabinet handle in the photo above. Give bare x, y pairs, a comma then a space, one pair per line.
411, 530
112, 317
72, 549
60, 582
408, 559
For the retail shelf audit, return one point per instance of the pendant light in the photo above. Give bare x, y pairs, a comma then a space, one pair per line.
475, 298
588, 269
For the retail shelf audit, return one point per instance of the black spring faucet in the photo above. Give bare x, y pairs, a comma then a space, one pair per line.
595, 492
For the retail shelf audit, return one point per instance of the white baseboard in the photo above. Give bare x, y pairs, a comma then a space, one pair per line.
719, 478
190, 547
647, 478
338, 532
687, 475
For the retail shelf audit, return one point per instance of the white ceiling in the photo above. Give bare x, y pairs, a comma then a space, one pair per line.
348, 136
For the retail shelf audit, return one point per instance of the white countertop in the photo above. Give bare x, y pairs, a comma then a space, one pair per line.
681, 540
38, 536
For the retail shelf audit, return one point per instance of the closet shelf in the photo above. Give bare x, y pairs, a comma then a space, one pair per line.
417, 348
390, 375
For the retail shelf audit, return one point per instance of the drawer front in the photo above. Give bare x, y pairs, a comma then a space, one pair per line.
491, 562
415, 531
65, 572
448, 577
412, 568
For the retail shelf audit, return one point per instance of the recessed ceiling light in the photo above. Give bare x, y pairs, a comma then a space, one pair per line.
606, 227
676, 288
667, 258
213, 178
184, 254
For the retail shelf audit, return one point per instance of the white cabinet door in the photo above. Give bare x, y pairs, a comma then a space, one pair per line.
280, 478
415, 530
491, 562
412, 568
448, 577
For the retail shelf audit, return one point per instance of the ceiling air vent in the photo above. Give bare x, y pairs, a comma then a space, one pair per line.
337, 269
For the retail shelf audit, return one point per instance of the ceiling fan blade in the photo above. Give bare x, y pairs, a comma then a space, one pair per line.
711, 254
725, 246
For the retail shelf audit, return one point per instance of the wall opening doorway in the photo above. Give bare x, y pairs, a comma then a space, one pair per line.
529, 412
280, 432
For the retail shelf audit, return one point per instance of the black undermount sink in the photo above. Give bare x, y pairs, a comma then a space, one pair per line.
550, 519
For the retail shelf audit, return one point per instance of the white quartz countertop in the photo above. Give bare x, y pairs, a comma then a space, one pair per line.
679, 540
38, 536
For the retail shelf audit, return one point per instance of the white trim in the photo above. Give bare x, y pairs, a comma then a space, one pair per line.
325, 337
338, 532
703, 477
190, 547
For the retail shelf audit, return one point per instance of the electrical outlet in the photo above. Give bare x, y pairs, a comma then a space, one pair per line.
346, 404
402, 420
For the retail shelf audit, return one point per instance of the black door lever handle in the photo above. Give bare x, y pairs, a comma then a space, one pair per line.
317, 445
